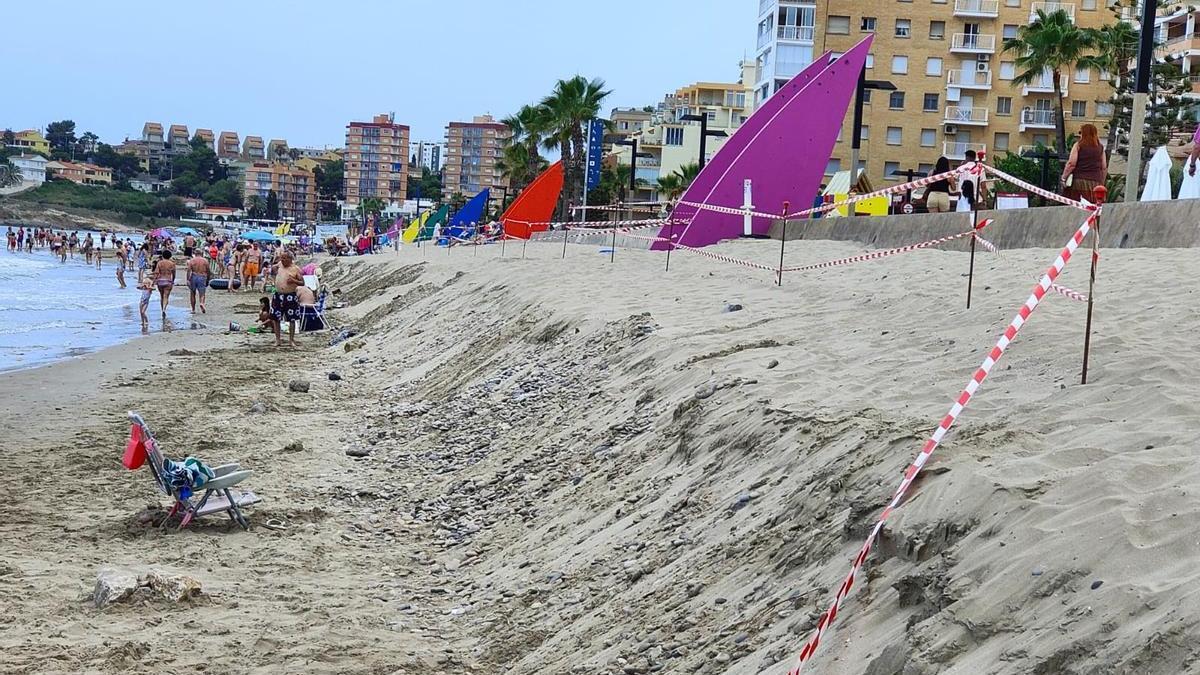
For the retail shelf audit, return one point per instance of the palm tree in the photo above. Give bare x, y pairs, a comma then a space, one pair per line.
528, 128
518, 167
256, 207
1051, 43
1116, 47
670, 186
565, 111
10, 175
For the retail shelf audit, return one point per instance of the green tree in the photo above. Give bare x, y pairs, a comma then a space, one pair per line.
1054, 44
428, 185
61, 135
516, 165
272, 205
329, 180
281, 153
566, 110
172, 207
224, 192
1116, 48
256, 206
9, 137
457, 201
124, 167
527, 127
197, 171
10, 175
87, 144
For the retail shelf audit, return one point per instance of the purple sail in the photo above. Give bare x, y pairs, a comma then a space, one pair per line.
783, 149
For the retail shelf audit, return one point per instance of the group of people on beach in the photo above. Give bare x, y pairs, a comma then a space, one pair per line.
61, 243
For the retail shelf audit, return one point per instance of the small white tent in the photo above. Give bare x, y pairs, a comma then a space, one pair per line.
1191, 184
1158, 178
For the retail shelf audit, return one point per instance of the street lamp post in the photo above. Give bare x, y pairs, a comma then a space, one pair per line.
859, 96
704, 134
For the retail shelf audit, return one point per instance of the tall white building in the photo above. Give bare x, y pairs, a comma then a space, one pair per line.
785, 43
429, 155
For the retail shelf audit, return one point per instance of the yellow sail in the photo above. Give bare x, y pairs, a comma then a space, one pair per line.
414, 228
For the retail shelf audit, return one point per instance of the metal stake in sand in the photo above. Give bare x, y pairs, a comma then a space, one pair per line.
782, 243
671, 243
524, 243
612, 252
974, 226
1099, 194
503, 241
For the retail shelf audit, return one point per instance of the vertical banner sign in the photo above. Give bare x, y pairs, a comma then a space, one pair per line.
595, 151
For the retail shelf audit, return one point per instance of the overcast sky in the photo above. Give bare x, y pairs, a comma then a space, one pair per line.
301, 70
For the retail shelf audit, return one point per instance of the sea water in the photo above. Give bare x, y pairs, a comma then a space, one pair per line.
51, 310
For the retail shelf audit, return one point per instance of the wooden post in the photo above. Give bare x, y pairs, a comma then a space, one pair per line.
1099, 194
782, 243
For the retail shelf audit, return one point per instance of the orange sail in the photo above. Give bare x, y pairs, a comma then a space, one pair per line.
531, 210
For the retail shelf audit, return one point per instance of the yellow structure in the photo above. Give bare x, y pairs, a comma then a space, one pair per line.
80, 172
295, 188
31, 140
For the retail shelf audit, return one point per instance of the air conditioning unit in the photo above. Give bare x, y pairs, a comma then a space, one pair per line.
951, 129
983, 58
982, 67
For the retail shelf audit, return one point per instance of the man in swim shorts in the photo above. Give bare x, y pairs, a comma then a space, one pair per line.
284, 304
252, 265
197, 279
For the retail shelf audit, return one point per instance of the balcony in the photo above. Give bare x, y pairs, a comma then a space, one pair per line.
1050, 7
972, 43
798, 33
977, 8
1043, 85
956, 150
1038, 119
969, 79
967, 116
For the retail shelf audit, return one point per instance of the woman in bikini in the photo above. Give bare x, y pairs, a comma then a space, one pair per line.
164, 279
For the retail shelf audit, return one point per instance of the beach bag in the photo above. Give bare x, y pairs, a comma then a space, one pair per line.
135, 449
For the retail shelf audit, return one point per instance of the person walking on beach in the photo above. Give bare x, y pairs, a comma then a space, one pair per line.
189, 243
285, 305
73, 243
86, 248
252, 266
21, 238
164, 279
937, 196
122, 255
143, 260
235, 267
1086, 167
198, 279
12, 239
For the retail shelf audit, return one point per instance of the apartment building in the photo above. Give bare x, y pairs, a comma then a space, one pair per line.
668, 141
472, 149
295, 188
32, 167
1175, 32
953, 83
273, 148
80, 172
206, 135
429, 155
178, 141
625, 122
228, 146
252, 148
376, 158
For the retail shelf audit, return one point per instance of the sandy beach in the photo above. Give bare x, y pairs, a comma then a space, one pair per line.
577, 466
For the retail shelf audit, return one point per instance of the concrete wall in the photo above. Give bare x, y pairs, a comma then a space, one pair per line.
1173, 224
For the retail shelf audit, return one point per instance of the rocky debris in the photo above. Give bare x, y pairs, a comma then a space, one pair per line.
181, 352
334, 376
358, 451
260, 407
342, 335
294, 446
733, 307
353, 344
119, 586
298, 386
772, 363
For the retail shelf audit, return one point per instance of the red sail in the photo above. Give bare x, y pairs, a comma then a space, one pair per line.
534, 207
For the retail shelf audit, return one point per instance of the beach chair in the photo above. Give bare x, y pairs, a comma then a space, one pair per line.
216, 496
312, 317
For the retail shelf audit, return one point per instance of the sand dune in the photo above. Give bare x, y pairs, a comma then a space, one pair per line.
578, 466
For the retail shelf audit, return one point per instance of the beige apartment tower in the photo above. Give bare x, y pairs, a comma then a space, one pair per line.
472, 149
954, 89
376, 160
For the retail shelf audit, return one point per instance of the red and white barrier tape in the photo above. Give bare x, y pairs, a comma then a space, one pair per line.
1061, 290
1010, 333
1039, 191
612, 207
875, 255
730, 210
710, 254
601, 224
891, 190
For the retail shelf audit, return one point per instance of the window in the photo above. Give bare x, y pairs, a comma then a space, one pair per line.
1041, 139
1008, 70
834, 166
866, 96
900, 65
1010, 31
1104, 110
903, 27
1105, 76
1012, 3
894, 135
868, 24
674, 136
864, 133
928, 138
890, 169
1079, 109
937, 30
1087, 4
926, 169
931, 103
870, 60
933, 66
1004, 105
1083, 75
1001, 141
896, 100
837, 25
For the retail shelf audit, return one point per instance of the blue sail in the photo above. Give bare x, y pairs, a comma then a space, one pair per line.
465, 223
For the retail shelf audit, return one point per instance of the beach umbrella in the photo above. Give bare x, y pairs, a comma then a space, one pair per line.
188, 230
161, 232
259, 235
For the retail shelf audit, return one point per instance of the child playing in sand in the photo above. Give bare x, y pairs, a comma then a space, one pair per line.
266, 318
146, 286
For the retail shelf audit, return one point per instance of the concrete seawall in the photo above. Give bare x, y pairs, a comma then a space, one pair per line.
1173, 224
